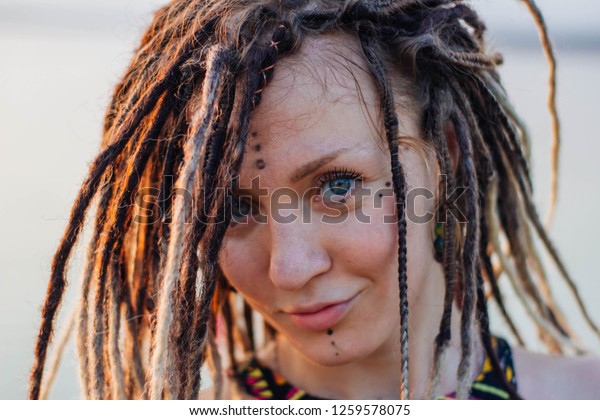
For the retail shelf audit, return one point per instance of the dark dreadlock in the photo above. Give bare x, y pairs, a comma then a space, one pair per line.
182, 112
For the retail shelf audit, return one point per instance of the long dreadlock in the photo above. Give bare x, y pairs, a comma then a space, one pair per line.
178, 125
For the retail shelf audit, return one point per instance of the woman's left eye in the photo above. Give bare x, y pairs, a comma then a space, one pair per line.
336, 185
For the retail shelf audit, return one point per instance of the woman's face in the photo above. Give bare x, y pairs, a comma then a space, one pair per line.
318, 259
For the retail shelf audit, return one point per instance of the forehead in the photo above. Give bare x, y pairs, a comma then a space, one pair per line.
320, 100
326, 70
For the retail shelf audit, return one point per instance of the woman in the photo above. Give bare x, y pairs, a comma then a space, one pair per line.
328, 168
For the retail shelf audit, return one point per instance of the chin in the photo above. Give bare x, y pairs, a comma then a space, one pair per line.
332, 352
328, 358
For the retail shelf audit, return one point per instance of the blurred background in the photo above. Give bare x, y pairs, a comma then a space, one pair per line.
61, 58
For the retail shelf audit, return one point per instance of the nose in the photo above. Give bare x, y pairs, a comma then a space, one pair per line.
297, 254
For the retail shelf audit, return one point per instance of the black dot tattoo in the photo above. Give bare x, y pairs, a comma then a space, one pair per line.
380, 195
329, 331
257, 147
254, 133
260, 164
387, 184
333, 343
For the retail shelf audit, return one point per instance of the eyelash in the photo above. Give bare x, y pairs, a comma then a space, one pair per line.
338, 173
333, 175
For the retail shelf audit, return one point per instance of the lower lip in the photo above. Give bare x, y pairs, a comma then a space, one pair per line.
323, 319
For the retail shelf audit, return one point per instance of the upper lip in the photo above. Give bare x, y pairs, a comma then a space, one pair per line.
314, 307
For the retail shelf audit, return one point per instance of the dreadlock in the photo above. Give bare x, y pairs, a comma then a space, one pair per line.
177, 127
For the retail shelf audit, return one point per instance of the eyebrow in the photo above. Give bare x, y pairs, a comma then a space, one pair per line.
312, 166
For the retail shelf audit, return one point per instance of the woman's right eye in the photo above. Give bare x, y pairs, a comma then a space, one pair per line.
241, 209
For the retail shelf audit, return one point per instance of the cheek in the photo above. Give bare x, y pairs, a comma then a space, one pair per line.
366, 246
242, 267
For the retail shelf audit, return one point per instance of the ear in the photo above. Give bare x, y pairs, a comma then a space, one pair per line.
453, 149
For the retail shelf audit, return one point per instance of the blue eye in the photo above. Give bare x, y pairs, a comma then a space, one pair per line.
337, 185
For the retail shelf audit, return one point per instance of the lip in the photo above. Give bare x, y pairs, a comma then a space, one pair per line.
320, 316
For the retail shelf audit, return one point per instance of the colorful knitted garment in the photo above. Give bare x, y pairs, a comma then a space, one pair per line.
266, 384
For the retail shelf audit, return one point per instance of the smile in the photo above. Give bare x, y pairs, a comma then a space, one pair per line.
320, 317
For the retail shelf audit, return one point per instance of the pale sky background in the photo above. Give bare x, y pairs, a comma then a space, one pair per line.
61, 59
